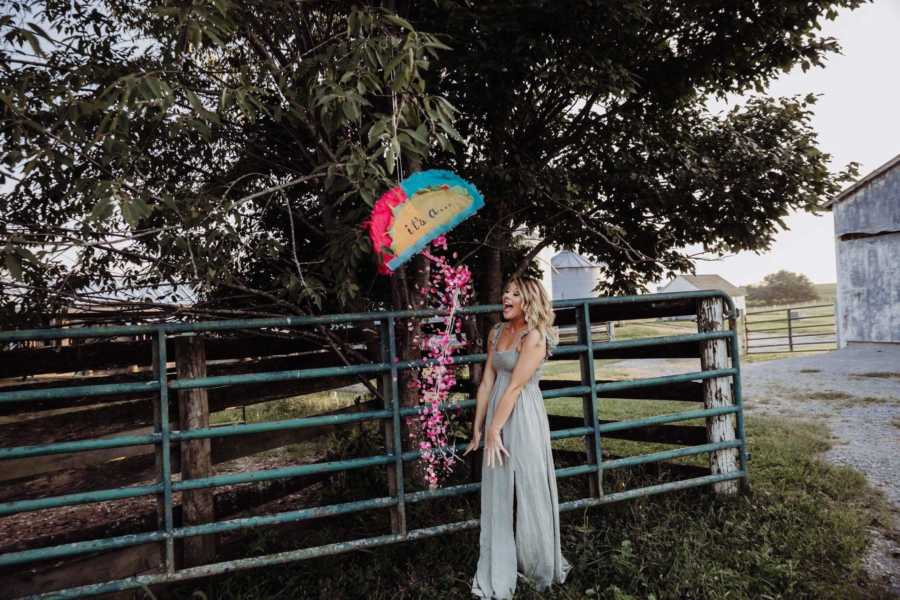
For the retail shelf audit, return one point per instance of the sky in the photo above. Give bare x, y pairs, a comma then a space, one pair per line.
857, 118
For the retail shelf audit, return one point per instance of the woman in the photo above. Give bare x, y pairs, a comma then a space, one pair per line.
519, 503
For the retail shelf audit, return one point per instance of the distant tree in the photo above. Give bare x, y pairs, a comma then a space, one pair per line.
782, 287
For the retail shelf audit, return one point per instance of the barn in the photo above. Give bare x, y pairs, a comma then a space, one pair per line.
691, 283
867, 248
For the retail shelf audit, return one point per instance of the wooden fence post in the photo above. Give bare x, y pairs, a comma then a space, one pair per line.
193, 413
746, 334
790, 332
717, 392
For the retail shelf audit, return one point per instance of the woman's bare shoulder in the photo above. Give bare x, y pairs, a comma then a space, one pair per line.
534, 339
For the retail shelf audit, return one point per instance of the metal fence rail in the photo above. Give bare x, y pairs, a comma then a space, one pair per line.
389, 367
779, 333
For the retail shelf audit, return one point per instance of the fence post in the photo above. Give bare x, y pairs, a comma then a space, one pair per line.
790, 332
389, 384
589, 403
162, 450
717, 392
193, 413
746, 333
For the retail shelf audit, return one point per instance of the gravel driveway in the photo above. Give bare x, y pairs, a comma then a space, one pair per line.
855, 391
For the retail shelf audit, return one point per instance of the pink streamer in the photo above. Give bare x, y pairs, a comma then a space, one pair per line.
449, 288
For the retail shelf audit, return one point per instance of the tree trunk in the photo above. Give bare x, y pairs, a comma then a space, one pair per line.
196, 458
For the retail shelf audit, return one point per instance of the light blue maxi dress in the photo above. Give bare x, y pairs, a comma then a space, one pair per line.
531, 550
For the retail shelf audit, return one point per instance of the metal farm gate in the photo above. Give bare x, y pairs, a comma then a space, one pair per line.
716, 385
808, 328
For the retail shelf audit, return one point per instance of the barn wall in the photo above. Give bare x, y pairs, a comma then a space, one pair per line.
868, 295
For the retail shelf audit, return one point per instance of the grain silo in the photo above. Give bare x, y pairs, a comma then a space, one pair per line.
574, 276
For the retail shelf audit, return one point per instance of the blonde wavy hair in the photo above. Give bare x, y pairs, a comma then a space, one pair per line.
537, 307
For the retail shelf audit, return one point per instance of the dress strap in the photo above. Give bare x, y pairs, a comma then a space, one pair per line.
499, 328
522, 334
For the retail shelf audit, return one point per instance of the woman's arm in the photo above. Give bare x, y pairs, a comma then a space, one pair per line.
484, 393
534, 347
487, 382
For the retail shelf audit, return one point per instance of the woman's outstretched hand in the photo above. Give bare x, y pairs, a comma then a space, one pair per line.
475, 442
493, 447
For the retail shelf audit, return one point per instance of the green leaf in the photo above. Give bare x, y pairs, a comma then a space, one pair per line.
417, 134
400, 22
37, 29
102, 209
450, 130
33, 42
202, 127
13, 263
351, 110
435, 43
26, 254
194, 100
134, 209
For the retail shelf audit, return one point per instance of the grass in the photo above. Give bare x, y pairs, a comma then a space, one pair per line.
799, 533
653, 328
829, 396
621, 409
287, 408
842, 398
763, 357
878, 375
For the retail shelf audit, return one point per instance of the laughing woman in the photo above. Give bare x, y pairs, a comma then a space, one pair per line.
519, 503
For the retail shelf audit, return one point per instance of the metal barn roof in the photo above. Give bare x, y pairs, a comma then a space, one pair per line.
894, 162
711, 282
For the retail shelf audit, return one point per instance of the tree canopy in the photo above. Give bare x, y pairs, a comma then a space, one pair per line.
233, 149
783, 287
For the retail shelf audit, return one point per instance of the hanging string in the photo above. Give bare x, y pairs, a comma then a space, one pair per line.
399, 157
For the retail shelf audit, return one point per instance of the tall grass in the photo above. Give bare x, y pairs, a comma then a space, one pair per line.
799, 533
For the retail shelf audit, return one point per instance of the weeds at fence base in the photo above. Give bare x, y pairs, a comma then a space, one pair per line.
799, 533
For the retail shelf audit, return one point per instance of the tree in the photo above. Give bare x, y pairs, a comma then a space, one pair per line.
783, 287
238, 147
234, 152
587, 122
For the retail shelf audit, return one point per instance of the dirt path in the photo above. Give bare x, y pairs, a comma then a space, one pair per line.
855, 391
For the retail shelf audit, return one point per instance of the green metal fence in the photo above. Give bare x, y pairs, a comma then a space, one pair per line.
389, 367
